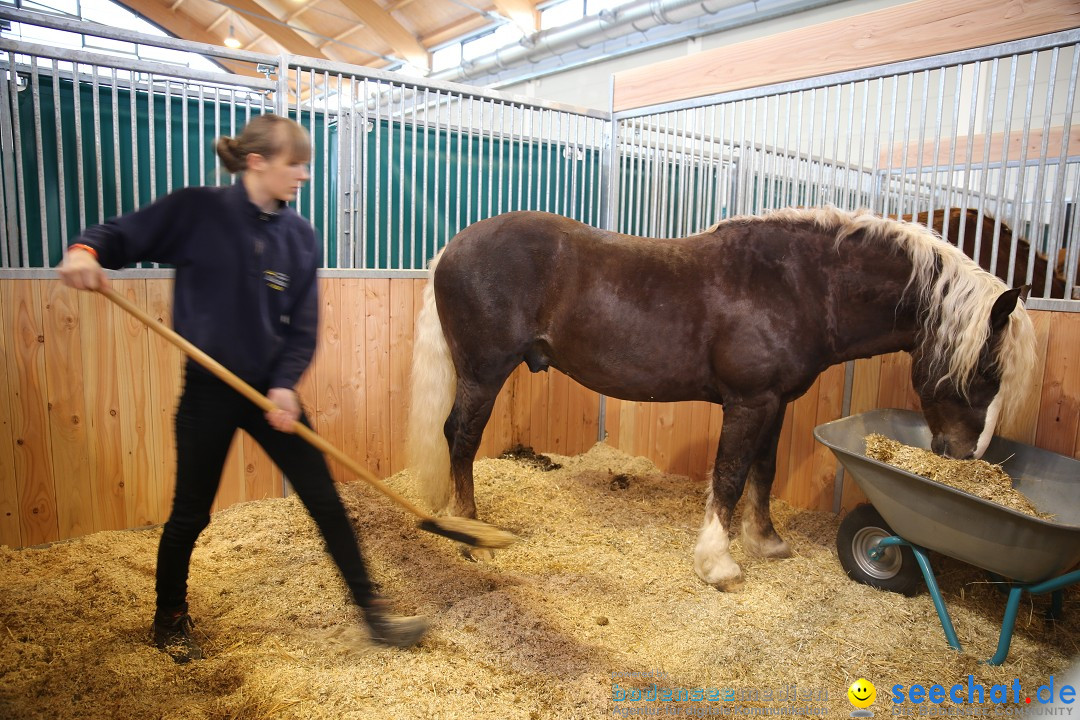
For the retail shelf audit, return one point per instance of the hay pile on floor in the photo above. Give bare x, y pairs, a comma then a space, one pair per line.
599, 592
977, 477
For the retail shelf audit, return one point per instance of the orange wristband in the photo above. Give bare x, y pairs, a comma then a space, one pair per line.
87, 248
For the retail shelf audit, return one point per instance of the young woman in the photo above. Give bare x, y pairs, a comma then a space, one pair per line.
246, 294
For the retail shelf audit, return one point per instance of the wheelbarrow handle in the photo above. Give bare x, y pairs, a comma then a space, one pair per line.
263, 402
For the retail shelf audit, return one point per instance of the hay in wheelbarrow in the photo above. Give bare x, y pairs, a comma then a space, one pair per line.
978, 477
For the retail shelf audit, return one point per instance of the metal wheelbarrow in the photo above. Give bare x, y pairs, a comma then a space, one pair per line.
884, 544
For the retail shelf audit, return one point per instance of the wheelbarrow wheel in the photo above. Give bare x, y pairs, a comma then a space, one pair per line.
895, 569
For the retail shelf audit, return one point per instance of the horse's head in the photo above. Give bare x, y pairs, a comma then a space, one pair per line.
962, 412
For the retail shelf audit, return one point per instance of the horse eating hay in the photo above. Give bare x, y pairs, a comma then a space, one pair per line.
746, 314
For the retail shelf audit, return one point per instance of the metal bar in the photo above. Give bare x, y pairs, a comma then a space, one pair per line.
40, 156
1057, 202
1009, 103
1040, 194
116, 143
987, 135
9, 224
61, 175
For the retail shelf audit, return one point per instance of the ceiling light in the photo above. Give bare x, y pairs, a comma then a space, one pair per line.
231, 40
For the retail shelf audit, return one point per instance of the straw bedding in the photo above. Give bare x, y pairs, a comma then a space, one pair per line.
599, 587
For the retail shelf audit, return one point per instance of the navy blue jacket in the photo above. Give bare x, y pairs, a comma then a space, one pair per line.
245, 288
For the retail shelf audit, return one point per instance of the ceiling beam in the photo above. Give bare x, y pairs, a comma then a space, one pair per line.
264, 20
397, 36
522, 13
182, 26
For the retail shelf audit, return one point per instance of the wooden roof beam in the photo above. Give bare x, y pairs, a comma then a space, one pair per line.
522, 13
182, 26
397, 36
261, 18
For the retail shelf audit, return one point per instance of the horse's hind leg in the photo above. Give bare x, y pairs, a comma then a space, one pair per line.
746, 427
464, 429
759, 537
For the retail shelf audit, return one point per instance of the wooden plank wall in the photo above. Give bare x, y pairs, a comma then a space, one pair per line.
87, 397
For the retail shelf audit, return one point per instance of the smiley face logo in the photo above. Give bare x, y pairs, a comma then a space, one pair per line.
862, 693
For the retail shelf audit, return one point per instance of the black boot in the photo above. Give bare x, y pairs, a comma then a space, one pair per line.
172, 633
394, 630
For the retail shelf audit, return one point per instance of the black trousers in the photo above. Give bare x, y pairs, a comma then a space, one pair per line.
208, 416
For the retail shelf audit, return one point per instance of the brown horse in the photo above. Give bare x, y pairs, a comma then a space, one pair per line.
746, 315
967, 222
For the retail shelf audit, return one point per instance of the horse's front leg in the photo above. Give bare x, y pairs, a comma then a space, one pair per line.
746, 428
759, 537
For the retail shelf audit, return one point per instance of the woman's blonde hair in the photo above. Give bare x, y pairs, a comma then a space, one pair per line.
268, 135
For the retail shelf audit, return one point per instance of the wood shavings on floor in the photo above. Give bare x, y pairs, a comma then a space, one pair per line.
598, 596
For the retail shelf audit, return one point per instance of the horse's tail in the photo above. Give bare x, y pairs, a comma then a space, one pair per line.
434, 383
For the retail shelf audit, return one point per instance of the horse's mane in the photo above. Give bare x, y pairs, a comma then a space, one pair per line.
955, 295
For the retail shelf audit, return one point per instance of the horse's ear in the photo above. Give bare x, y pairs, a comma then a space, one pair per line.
1004, 305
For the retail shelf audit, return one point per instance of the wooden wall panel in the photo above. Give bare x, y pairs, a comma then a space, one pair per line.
353, 358
355, 384
10, 517
28, 403
67, 418
377, 374
143, 502
102, 341
1059, 408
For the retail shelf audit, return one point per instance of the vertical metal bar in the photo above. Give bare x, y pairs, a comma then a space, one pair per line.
1010, 101
61, 176
116, 142
375, 260
876, 154
184, 150
367, 133
934, 158
40, 156
847, 193
401, 182
1057, 202
413, 184
919, 150
457, 195
968, 156
24, 237
902, 191
1018, 209
468, 178
325, 229
892, 146
423, 199
99, 171
168, 137
1040, 193
988, 128
9, 223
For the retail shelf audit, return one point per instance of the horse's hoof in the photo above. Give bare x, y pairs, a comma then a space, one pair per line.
476, 554
722, 572
769, 547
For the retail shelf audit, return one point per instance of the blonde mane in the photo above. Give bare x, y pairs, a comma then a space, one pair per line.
956, 296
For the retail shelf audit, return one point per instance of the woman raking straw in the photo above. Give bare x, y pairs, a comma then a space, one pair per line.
246, 294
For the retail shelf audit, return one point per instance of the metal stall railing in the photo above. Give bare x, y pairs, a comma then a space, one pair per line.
992, 129
398, 165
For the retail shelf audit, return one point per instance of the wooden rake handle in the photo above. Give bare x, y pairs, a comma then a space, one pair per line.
261, 400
